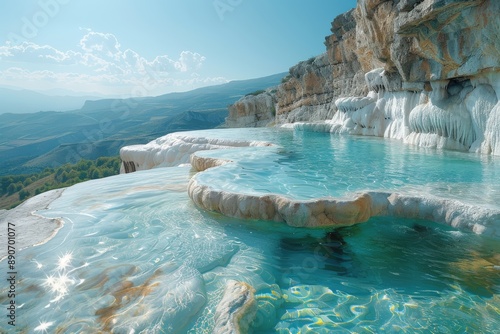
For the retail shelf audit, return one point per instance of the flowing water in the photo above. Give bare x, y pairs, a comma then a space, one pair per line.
135, 255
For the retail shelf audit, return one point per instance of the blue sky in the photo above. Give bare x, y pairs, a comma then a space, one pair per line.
134, 48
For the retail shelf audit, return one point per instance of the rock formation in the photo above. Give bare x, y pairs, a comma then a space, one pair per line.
174, 149
236, 311
423, 71
254, 110
306, 93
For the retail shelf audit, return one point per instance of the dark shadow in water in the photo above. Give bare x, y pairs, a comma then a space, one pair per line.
423, 258
315, 260
412, 257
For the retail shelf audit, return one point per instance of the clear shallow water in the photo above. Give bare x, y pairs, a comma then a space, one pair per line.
312, 165
135, 253
394, 276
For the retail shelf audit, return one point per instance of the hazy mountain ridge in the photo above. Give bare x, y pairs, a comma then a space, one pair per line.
31, 142
26, 101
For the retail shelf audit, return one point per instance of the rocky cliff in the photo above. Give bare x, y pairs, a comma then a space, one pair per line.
253, 110
423, 71
305, 94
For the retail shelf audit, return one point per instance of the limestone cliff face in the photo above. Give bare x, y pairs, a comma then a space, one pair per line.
254, 110
447, 39
306, 93
311, 87
428, 40
423, 71
347, 73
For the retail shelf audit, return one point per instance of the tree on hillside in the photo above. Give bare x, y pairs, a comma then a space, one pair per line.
95, 174
11, 189
64, 177
23, 194
101, 161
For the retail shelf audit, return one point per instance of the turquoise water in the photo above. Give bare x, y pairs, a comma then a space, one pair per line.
311, 165
135, 253
392, 276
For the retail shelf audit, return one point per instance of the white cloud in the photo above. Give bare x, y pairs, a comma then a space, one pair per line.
98, 43
31, 52
189, 61
100, 61
161, 64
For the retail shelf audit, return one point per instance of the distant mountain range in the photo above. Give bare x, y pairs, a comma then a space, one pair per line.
33, 141
26, 101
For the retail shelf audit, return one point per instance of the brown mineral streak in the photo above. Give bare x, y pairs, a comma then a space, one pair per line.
125, 289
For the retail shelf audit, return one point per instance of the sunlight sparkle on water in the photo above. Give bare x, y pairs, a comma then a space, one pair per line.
43, 327
64, 261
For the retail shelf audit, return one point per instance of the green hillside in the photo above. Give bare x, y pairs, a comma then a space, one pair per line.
14, 189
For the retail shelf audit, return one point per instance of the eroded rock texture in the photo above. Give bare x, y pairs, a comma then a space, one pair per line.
306, 92
253, 110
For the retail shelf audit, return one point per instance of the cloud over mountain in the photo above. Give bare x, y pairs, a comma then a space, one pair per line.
102, 62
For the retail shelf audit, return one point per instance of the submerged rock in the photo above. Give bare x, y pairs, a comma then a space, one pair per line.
236, 310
